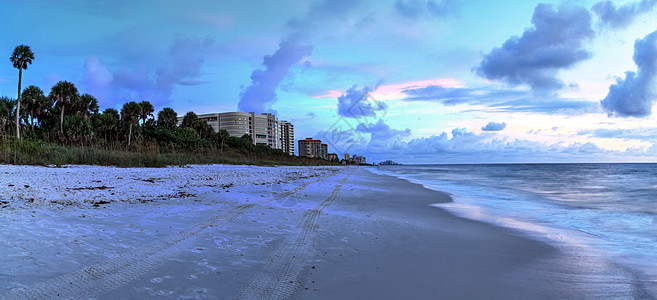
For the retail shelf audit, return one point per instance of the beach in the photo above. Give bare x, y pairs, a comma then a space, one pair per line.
218, 232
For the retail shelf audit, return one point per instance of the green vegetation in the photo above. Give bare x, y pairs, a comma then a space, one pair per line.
68, 128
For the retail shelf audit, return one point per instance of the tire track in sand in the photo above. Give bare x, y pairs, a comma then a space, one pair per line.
279, 277
113, 273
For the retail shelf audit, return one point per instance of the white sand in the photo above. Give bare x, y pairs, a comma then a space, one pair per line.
87, 185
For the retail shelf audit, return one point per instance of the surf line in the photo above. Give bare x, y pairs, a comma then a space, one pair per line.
113, 273
279, 277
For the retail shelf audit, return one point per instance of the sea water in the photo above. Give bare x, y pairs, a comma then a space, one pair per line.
607, 207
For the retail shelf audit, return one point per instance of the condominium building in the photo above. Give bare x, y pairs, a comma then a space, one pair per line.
273, 131
313, 148
287, 137
265, 129
240, 123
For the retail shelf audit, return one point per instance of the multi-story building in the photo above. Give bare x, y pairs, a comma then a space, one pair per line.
265, 129
259, 129
313, 148
287, 137
273, 131
358, 159
332, 156
240, 123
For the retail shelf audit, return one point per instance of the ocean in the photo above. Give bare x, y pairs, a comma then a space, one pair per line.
610, 209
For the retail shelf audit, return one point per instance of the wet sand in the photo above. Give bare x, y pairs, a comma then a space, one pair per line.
397, 247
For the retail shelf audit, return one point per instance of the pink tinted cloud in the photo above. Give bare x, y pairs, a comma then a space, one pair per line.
330, 94
394, 91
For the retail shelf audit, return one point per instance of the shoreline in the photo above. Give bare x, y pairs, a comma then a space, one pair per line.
364, 236
581, 264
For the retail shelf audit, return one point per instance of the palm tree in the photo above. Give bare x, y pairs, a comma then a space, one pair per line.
130, 113
146, 110
87, 105
222, 136
189, 120
64, 93
6, 109
21, 57
167, 117
33, 98
108, 123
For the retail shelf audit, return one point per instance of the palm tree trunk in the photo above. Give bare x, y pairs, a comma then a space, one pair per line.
129, 134
61, 121
18, 105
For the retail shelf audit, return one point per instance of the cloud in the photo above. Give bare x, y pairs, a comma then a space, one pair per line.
414, 9
620, 17
555, 42
382, 137
321, 12
357, 103
261, 94
193, 82
97, 78
410, 9
378, 141
183, 62
492, 126
501, 100
635, 95
468, 147
442, 8
186, 56
641, 134
51, 79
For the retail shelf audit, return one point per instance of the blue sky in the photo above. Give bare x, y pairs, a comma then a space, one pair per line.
446, 81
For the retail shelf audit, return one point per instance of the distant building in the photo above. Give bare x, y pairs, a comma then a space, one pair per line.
354, 159
323, 151
313, 148
357, 159
332, 156
287, 137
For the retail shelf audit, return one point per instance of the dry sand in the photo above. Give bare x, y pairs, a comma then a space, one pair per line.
349, 235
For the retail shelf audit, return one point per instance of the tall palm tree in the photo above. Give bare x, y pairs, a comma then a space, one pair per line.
130, 114
21, 57
146, 110
64, 93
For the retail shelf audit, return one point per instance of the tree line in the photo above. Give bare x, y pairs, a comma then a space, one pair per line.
66, 117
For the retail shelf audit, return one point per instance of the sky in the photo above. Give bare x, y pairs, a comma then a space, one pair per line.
415, 81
